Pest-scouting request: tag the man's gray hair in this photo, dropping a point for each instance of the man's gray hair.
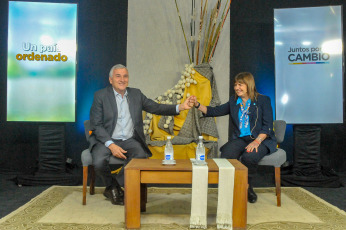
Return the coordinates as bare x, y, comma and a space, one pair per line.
117, 66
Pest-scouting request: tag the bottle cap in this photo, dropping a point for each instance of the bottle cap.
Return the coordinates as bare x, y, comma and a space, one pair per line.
200, 137
168, 137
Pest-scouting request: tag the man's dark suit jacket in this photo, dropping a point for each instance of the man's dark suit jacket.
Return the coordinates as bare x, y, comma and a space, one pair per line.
260, 117
104, 114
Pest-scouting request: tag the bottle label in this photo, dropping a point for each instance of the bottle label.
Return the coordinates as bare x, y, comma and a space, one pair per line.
201, 157
168, 157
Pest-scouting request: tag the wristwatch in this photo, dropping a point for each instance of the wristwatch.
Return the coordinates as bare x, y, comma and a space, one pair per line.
199, 104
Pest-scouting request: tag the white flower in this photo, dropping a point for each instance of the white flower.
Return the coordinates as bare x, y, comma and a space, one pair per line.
145, 132
176, 86
182, 77
195, 82
173, 91
178, 96
184, 81
183, 86
187, 95
169, 118
170, 95
159, 98
188, 84
178, 101
165, 94
168, 91
165, 126
150, 131
193, 72
168, 121
150, 115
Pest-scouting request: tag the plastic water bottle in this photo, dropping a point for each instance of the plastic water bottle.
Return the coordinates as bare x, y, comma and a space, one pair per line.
169, 155
200, 151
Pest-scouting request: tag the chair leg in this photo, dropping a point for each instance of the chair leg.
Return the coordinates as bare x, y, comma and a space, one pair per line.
92, 180
278, 185
85, 181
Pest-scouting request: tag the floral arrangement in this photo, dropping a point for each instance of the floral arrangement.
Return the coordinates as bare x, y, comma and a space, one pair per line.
175, 94
202, 51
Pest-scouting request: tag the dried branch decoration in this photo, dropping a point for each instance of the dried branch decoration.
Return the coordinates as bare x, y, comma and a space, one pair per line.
212, 30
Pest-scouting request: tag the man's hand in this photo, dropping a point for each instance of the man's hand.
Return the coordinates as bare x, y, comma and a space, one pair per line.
117, 151
188, 103
193, 99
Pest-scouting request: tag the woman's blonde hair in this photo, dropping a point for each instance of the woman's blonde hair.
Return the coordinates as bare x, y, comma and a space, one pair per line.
247, 79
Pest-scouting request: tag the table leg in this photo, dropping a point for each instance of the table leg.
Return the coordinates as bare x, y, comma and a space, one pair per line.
144, 197
240, 199
132, 199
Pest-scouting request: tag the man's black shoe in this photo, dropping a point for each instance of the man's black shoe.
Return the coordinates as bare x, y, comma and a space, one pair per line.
113, 194
251, 195
118, 187
120, 192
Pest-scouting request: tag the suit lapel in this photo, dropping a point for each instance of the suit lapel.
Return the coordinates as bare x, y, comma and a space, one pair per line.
234, 111
252, 111
130, 102
113, 102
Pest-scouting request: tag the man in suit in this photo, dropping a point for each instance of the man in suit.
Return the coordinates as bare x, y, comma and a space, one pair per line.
117, 127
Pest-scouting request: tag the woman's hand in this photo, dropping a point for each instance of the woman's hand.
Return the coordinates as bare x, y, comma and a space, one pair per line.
194, 100
253, 145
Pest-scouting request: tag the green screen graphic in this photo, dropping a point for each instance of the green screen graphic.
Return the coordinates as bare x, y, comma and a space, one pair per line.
41, 66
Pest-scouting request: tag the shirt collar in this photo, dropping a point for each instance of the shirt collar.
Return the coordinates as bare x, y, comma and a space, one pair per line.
239, 100
118, 94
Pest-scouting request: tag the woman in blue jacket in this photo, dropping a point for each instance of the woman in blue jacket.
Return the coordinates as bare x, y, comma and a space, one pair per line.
252, 119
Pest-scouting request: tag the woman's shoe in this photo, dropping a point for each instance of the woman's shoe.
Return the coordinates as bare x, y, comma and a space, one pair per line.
251, 195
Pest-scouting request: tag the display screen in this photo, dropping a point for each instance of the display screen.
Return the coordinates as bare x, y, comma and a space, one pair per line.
41, 64
309, 65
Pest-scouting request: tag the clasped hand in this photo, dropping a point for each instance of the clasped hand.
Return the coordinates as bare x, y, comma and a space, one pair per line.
188, 103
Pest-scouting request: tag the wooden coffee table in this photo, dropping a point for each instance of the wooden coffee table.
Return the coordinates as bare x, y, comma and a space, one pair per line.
140, 172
